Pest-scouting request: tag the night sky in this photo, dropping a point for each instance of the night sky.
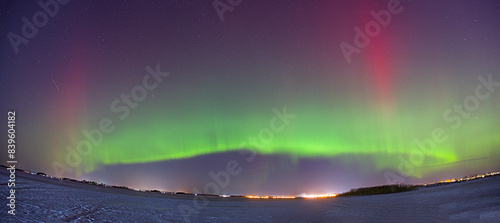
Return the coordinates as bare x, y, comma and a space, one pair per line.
183, 91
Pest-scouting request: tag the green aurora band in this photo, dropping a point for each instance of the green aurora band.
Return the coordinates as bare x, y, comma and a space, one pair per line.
319, 132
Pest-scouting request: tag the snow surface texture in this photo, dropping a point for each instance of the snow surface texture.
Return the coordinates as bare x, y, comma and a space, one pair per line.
40, 199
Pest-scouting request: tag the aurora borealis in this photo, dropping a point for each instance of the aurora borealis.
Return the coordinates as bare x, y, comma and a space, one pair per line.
349, 123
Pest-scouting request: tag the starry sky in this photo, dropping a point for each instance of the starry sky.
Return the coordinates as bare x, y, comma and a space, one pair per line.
305, 96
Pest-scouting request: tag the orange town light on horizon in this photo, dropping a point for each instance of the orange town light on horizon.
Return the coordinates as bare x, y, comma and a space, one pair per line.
310, 196
319, 195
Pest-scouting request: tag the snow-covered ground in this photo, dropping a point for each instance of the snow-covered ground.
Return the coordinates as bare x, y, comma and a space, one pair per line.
47, 200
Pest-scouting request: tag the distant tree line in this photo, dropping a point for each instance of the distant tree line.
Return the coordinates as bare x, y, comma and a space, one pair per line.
385, 189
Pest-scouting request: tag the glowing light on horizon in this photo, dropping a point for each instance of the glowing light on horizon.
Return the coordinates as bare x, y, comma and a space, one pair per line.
318, 195
308, 196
